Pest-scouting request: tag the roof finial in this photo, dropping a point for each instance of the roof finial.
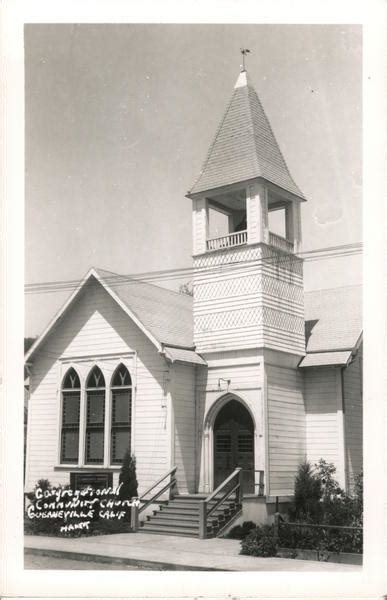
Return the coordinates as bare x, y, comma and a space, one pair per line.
244, 51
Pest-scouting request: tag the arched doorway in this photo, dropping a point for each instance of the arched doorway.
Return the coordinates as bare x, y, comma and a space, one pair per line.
234, 444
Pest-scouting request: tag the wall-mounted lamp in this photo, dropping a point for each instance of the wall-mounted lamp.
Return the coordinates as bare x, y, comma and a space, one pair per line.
228, 381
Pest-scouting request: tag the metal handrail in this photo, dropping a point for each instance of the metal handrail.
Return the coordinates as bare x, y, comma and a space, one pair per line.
136, 510
223, 498
157, 495
260, 485
171, 472
203, 513
225, 482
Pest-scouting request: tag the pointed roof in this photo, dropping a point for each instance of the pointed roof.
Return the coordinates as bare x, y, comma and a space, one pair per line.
244, 146
163, 315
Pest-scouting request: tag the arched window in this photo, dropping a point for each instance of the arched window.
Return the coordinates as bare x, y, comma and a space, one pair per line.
121, 414
95, 417
71, 399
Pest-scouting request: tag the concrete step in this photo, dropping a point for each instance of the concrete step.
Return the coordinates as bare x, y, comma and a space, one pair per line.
172, 518
173, 510
173, 523
180, 516
191, 496
170, 530
195, 506
173, 515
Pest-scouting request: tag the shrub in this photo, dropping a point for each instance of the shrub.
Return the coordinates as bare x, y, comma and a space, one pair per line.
260, 542
319, 499
239, 532
307, 494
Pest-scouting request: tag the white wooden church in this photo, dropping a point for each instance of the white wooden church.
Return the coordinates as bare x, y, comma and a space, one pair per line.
240, 383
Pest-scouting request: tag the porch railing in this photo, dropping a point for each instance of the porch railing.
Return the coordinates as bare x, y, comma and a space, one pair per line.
208, 506
280, 242
145, 502
227, 241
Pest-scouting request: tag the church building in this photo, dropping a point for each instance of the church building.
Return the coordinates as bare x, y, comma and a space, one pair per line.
227, 391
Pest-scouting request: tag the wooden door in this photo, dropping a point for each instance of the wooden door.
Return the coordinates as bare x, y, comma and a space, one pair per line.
234, 444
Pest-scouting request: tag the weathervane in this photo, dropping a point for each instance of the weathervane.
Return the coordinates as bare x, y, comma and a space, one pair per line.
244, 51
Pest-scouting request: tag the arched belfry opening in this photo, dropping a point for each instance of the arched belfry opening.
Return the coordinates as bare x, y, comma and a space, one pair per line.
234, 444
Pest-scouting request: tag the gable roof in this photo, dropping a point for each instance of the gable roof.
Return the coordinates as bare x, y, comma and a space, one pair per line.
333, 325
164, 316
244, 146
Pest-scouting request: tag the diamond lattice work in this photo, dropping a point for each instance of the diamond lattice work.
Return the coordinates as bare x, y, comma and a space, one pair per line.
237, 255
230, 319
284, 266
239, 286
283, 320
283, 289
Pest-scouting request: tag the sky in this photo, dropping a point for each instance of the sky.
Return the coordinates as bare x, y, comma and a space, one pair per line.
118, 120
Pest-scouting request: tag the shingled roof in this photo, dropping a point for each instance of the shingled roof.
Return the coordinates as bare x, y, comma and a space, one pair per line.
333, 325
165, 313
244, 146
333, 319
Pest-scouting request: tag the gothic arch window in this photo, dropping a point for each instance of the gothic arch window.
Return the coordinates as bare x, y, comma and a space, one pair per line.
121, 416
95, 417
71, 400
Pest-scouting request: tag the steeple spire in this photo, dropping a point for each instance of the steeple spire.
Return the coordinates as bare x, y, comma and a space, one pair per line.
244, 147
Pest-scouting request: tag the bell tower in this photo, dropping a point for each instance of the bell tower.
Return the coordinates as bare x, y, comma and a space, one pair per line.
248, 279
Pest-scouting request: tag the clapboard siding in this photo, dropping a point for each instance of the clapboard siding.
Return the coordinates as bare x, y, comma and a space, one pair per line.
244, 370
183, 398
95, 325
353, 411
286, 427
321, 415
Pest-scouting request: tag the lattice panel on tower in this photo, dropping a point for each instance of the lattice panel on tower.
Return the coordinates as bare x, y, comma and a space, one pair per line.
238, 255
282, 263
282, 320
231, 319
282, 289
239, 286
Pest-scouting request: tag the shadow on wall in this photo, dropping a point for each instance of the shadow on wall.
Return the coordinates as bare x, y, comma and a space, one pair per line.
309, 325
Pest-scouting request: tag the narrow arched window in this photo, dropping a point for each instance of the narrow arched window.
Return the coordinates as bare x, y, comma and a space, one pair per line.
121, 414
95, 417
71, 399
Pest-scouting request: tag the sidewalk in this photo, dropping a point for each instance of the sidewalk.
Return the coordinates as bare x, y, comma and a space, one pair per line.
162, 552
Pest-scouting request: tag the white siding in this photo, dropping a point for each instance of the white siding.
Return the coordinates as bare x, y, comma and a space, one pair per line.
95, 326
286, 428
183, 398
244, 369
321, 415
353, 411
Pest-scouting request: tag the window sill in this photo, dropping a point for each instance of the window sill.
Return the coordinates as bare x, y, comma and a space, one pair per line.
78, 469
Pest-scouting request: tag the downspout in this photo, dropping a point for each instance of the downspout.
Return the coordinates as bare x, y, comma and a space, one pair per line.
344, 430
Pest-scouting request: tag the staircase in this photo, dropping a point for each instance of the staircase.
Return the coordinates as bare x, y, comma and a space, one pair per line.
180, 516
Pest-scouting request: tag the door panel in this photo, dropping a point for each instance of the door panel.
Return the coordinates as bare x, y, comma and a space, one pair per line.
234, 444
